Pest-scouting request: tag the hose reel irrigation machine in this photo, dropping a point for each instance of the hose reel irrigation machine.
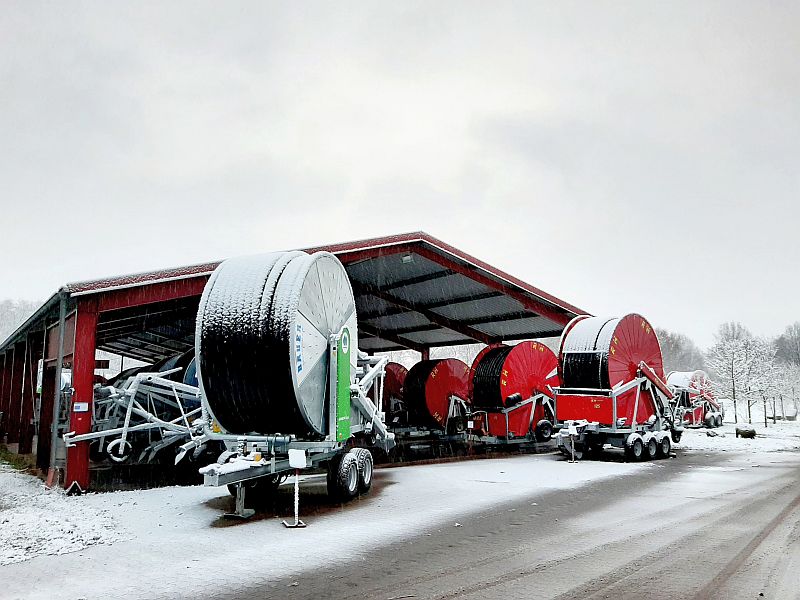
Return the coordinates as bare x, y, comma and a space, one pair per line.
279, 370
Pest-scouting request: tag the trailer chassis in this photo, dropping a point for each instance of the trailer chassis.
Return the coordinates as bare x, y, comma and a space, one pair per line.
579, 436
248, 458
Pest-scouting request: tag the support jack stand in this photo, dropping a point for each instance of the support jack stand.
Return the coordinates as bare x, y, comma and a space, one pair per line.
74, 489
241, 513
572, 460
298, 524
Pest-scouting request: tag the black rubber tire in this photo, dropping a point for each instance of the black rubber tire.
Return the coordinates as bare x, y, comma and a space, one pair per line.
343, 481
634, 451
594, 448
676, 436
365, 469
457, 425
543, 431
719, 420
651, 449
665, 447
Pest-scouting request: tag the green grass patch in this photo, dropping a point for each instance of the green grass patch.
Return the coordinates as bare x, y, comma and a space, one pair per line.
21, 462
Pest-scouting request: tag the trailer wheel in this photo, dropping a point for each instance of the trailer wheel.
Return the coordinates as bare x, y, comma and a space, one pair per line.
664, 447
676, 436
119, 450
343, 478
719, 420
594, 448
543, 431
365, 465
651, 448
634, 448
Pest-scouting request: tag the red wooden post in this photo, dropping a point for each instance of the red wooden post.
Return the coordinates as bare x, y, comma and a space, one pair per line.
4, 377
15, 393
32, 356
80, 419
46, 418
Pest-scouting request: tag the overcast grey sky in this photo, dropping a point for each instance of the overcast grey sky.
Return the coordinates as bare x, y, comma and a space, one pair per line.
625, 157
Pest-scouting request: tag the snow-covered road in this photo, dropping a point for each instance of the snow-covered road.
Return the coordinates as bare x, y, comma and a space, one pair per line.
173, 542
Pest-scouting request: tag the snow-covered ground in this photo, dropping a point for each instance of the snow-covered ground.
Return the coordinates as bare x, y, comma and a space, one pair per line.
36, 521
781, 436
175, 540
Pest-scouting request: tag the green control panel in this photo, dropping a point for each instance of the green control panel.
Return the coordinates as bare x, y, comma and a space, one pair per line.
343, 350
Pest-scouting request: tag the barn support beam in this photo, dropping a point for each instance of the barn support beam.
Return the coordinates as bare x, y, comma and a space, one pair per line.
5, 377
389, 337
80, 414
33, 353
51, 390
15, 395
433, 317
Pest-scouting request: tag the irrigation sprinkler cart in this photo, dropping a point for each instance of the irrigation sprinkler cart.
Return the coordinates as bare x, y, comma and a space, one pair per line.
354, 423
511, 425
647, 439
141, 413
695, 404
436, 441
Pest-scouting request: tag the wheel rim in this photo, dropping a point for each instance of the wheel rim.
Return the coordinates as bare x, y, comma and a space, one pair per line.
352, 477
665, 446
367, 472
637, 448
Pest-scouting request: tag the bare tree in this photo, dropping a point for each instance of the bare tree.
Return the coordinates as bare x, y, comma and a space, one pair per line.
13, 313
788, 344
679, 351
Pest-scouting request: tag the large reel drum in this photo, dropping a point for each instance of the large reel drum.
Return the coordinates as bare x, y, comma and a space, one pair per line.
429, 386
393, 381
500, 372
696, 382
263, 329
598, 353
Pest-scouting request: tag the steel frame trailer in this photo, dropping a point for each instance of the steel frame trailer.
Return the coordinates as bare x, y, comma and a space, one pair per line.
641, 440
262, 462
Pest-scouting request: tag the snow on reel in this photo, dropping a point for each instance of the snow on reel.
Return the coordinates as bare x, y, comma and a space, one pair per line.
695, 401
263, 331
612, 389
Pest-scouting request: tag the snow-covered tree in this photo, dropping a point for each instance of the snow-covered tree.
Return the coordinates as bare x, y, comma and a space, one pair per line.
788, 344
763, 377
679, 351
744, 367
13, 313
788, 390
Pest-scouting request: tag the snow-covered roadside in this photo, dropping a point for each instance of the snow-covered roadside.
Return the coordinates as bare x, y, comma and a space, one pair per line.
35, 521
782, 436
178, 545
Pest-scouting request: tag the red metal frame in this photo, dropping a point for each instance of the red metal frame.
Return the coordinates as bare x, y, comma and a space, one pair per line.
83, 385
32, 354
15, 393
149, 294
5, 377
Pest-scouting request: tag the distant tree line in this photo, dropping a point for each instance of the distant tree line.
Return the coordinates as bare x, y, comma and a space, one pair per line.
13, 313
747, 370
